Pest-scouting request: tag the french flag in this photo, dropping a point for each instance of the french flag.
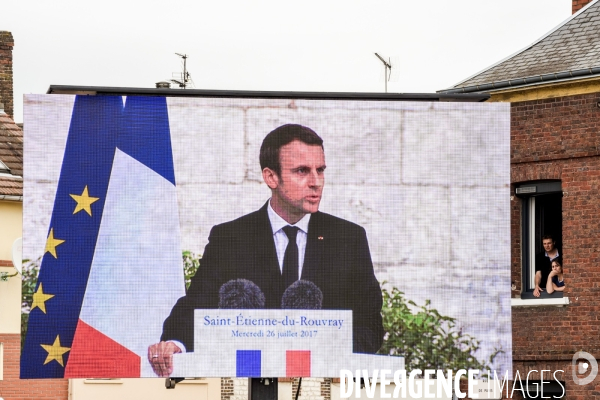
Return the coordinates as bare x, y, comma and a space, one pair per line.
112, 265
249, 363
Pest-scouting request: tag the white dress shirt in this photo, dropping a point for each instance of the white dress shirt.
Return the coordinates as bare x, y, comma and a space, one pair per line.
281, 239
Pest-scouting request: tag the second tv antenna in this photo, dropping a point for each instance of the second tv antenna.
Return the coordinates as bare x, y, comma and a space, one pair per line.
185, 76
386, 65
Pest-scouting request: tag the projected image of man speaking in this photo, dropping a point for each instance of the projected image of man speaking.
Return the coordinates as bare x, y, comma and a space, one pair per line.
265, 252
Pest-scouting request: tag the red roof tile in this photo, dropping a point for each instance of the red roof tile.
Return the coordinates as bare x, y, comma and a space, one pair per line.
11, 154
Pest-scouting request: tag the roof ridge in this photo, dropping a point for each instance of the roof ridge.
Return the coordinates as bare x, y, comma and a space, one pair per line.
563, 23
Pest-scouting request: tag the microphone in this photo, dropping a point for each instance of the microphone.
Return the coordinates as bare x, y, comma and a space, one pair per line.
242, 294
302, 295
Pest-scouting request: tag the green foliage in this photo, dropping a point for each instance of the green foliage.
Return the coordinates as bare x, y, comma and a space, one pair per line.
426, 339
29, 277
191, 262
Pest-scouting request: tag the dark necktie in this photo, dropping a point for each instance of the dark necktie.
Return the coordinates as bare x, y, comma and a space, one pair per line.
290, 258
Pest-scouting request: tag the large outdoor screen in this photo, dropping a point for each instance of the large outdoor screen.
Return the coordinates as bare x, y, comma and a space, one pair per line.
198, 236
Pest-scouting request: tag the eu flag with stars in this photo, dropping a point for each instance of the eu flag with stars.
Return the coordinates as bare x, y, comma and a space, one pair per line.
111, 268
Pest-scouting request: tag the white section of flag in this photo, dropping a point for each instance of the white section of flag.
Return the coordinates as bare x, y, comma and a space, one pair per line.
137, 273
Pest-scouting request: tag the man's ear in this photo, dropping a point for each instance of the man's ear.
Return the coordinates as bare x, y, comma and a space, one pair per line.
270, 177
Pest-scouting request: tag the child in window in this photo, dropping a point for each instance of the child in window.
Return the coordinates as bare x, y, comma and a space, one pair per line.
555, 279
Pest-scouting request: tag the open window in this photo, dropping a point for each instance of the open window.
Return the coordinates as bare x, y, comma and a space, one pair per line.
541, 215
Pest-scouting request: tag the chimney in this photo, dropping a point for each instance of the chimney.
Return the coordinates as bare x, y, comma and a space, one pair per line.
6, 72
579, 4
163, 85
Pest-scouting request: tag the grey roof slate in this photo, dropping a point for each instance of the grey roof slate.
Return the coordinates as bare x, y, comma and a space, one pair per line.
573, 46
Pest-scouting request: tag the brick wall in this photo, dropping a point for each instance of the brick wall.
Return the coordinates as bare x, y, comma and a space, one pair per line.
579, 4
12, 388
6, 72
555, 129
326, 388
226, 388
559, 139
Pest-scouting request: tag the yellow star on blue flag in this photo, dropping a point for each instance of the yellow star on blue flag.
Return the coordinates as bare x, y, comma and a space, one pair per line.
51, 243
55, 351
84, 201
40, 298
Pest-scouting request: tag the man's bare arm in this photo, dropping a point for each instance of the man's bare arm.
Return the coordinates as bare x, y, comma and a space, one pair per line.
538, 280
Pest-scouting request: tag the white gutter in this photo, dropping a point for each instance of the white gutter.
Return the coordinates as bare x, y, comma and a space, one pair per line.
11, 198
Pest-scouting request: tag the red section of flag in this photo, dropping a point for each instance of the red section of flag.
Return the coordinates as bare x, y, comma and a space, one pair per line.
297, 363
95, 355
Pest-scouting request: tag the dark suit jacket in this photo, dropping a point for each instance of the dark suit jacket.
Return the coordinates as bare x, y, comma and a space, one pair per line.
337, 260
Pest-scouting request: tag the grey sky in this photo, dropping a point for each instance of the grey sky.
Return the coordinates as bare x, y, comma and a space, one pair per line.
268, 45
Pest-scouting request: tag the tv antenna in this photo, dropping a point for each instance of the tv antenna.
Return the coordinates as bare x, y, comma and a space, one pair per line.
386, 65
185, 78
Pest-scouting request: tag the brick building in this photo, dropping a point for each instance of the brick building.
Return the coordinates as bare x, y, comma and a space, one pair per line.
554, 88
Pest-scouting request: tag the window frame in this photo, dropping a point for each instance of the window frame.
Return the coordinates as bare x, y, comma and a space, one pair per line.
528, 192
4, 168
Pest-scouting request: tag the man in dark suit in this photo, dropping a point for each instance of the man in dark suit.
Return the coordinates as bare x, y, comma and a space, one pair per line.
286, 240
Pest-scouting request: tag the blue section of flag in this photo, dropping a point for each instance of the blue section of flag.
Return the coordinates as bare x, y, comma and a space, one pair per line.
247, 363
146, 135
87, 162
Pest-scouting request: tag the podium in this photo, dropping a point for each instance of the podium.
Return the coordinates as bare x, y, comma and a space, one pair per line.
275, 343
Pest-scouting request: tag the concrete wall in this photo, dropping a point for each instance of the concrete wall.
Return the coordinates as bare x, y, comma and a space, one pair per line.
10, 304
11, 223
11, 220
143, 389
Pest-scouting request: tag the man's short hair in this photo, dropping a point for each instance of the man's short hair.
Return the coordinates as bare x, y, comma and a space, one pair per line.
279, 137
547, 237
